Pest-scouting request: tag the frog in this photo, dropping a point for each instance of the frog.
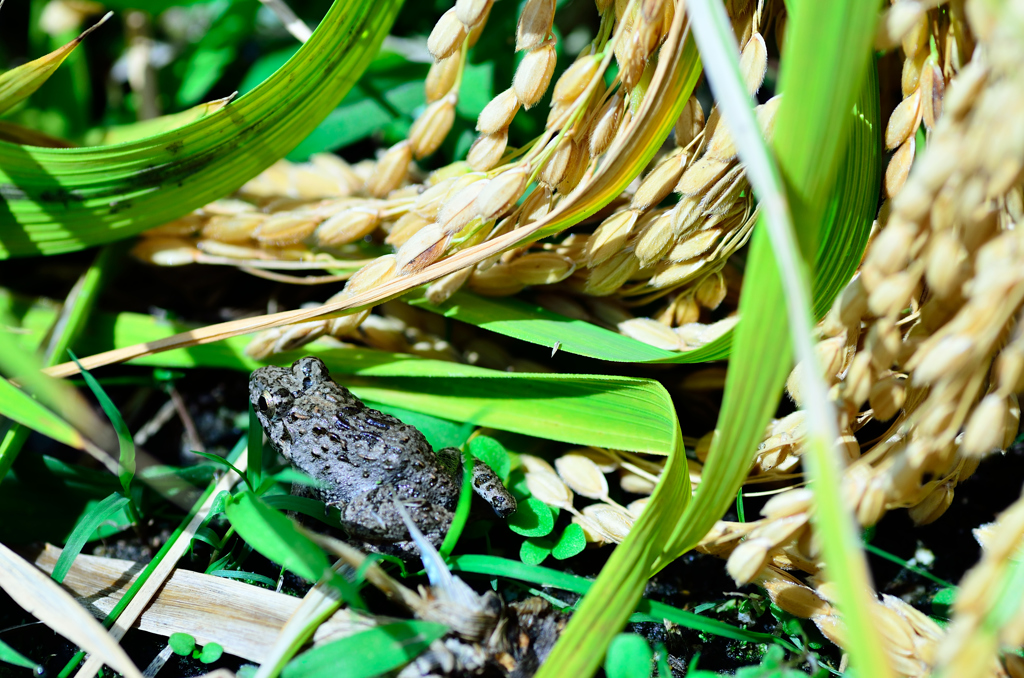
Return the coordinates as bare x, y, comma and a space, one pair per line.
364, 461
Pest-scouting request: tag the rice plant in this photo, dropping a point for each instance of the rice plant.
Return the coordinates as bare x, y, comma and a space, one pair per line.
536, 231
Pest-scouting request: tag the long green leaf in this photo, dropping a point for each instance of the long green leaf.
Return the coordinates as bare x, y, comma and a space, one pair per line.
762, 358
543, 576
11, 656
607, 606
279, 539
777, 311
59, 200
86, 526
809, 171
19, 83
126, 444
367, 653
22, 408
637, 414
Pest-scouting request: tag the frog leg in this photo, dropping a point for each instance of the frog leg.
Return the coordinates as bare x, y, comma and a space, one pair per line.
489, 487
486, 482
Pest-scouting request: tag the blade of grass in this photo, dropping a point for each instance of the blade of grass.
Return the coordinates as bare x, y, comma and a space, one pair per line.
472, 563
255, 450
278, 538
581, 647
84, 529
19, 83
126, 461
11, 656
809, 171
64, 332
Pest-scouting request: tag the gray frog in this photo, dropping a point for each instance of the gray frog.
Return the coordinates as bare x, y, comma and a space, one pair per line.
366, 460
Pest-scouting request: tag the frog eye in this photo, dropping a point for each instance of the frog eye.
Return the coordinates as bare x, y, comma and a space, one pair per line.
265, 403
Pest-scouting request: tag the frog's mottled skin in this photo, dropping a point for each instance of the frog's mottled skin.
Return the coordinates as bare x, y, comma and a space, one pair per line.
366, 460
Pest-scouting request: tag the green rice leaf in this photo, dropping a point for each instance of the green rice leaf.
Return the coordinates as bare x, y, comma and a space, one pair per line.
60, 200
522, 320
84, 530
754, 380
605, 609
637, 414
19, 83
11, 656
126, 462
254, 451
368, 653
25, 410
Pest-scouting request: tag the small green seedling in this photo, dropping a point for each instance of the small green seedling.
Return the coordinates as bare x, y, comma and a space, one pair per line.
185, 645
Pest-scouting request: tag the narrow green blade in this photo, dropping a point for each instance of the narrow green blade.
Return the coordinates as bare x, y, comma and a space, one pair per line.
60, 200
